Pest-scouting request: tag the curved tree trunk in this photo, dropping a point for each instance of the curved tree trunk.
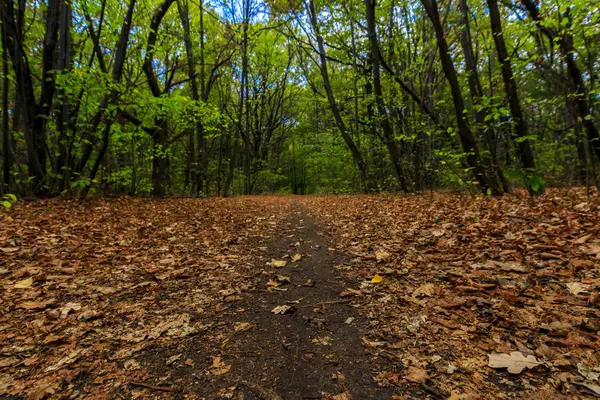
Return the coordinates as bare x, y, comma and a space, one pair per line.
363, 169
384, 121
467, 138
521, 130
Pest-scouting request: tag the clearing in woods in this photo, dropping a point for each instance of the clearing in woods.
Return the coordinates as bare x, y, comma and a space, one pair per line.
358, 297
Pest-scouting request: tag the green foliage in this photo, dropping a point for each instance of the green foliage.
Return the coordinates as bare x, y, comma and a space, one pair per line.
8, 200
272, 129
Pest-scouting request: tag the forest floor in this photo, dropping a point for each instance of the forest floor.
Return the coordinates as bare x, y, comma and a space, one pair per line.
435, 296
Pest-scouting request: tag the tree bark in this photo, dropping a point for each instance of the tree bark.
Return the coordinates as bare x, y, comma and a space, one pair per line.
578, 88
476, 91
160, 161
117, 75
521, 130
363, 169
386, 127
6, 150
467, 138
36, 112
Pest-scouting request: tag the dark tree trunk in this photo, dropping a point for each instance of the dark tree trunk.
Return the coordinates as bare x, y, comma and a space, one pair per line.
160, 160
363, 169
579, 91
196, 173
467, 138
521, 130
117, 74
6, 150
476, 91
36, 112
62, 109
386, 127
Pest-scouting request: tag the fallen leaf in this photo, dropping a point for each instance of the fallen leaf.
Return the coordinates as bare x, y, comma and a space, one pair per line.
426, 290
309, 283
278, 263
587, 372
547, 352
37, 305
325, 340
594, 388
64, 311
514, 362
576, 288
296, 257
512, 267
372, 343
69, 359
416, 375
25, 283
218, 367
351, 292
243, 326
382, 255
172, 359
284, 309
582, 239
105, 290
376, 279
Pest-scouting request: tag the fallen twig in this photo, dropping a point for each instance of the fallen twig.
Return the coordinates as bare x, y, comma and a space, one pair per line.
159, 388
325, 303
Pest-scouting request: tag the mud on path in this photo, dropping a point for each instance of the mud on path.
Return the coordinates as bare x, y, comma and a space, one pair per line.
312, 351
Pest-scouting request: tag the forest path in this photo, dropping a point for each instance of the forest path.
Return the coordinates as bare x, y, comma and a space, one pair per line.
314, 350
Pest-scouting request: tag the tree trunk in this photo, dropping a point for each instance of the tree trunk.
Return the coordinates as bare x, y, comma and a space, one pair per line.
160, 162
386, 127
579, 91
521, 130
467, 138
363, 169
117, 74
6, 150
62, 110
476, 91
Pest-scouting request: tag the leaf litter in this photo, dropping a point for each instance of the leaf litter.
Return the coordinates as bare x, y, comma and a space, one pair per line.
465, 296
491, 297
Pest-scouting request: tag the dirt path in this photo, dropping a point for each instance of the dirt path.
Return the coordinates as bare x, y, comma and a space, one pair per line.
312, 352
317, 348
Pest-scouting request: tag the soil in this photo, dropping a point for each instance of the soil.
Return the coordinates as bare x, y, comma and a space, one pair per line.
314, 351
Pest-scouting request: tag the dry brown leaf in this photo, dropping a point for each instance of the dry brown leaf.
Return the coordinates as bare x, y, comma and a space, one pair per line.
514, 362
278, 263
426, 290
24, 284
283, 309
416, 375
218, 367
577, 288
243, 326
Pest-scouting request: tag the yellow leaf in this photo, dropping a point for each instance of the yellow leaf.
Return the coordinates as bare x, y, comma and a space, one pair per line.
243, 326
218, 367
278, 263
25, 283
377, 279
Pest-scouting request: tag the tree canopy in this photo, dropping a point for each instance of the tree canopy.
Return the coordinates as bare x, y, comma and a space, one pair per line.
205, 97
